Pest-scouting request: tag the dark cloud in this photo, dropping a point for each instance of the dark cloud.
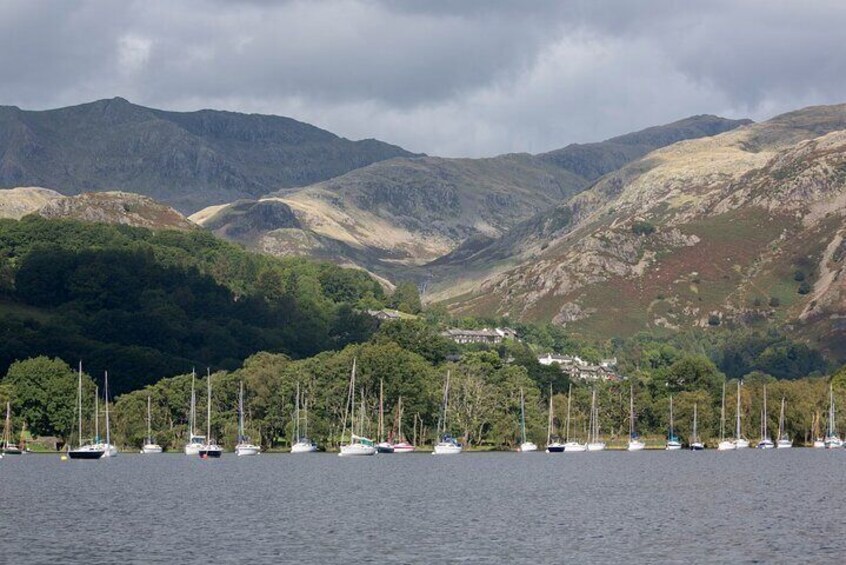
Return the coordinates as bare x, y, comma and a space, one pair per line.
453, 78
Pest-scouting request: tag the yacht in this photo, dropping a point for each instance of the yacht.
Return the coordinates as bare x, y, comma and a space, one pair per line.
302, 444
634, 441
695, 443
552, 446
9, 447
526, 446
358, 444
383, 446
150, 447
766, 442
109, 450
673, 442
210, 449
725, 444
401, 446
244, 447
595, 442
740, 442
195, 442
447, 445
92, 450
832, 440
783, 440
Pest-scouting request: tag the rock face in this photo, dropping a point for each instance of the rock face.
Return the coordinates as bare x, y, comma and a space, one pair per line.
15, 203
116, 208
743, 226
405, 212
189, 160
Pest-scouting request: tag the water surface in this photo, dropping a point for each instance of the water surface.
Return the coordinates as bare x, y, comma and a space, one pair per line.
753, 506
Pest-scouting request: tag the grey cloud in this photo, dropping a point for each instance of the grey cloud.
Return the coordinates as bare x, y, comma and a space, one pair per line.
454, 78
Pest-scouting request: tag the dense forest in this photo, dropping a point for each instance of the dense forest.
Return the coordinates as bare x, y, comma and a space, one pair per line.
144, 304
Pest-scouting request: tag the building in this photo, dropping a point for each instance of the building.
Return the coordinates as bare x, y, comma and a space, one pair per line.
462, 337
577, 368
384, 315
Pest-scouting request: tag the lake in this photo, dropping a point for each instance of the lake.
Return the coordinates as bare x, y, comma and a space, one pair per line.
653, 506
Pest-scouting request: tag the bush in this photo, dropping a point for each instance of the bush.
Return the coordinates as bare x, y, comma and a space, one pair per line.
804, 288
713, 320
774, 302
641, 227
799, 276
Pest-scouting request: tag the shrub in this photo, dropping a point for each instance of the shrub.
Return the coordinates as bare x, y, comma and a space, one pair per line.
642, 227
804, 288
799, 276
774, 302
713, 320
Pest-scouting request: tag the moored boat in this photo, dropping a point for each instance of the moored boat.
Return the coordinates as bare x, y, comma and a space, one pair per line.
595, 442
724, 444
302, 444
94, 450
210, 449
634, 440
244, 447
150, 446
766, 442
673, 442
696, 443
447, 445
358, 444
526, 446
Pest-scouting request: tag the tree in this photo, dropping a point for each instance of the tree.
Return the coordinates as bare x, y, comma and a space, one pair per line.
406, 298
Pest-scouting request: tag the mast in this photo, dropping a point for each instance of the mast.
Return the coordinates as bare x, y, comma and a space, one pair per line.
593, 414
549, 423
569, 401
208, 406
695, 434
381, 410
241, 412
399, 420
7, 430
79, 402
723, 415
522, 416
193, 415
764, 415
305, 417
446, 402
671, 418
106, 398
149, 423
361, 415
297, 412
831, 426
781, 420
631, 411
737, 430
96, 414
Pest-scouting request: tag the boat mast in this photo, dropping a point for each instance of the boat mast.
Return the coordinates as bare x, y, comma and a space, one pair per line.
106, 398
241, 412
522, 417
737, 430
381, 410
79, 402
297, 412
764, 415
671, 418
695, 435
96, 414
7, 430
149, 423
569, 401
781, 420
631, 411
193, 415
208, 406
446, 402
723, 415
399, 420
831, 426
549, 422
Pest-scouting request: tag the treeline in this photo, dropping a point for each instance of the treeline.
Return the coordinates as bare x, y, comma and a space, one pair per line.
144, 304
412, 361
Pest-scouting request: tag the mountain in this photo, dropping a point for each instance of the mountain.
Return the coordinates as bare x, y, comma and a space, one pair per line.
116, 208
15, 203
186, 159
405, 212
739, 228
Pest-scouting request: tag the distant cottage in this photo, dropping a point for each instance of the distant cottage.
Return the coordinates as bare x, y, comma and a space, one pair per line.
384, 315
577, 368
472, 336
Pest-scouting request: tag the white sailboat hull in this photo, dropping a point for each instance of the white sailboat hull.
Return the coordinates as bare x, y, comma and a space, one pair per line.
192, 449
403, 447
741, 443
109, 450
356, 449
726, 445
246, 449
447, 449
150, 448
673, 446
574, 447
697, 446
833, 442
596, 446
303, 447
527, 447
635, 445
784, 443
766, 443
819, 444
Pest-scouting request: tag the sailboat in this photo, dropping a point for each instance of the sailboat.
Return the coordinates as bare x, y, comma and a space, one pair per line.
150, 446
210, 449
634, 441
725, 444
383, 446
766, 442
571, 446
695, 443
525, 445
819, 442
552, 446
195, 442
673, 442
244, 446
358, 445
783, 441
447, 445
832, 440
302, 443
93, 450
9, 447
594, 441
402, 446
109, 449
740, 442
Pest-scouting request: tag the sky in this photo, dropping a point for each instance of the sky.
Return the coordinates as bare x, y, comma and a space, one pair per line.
458, 79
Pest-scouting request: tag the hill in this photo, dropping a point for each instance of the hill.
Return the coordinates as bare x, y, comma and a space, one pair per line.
738, 228
186, 159
409, 211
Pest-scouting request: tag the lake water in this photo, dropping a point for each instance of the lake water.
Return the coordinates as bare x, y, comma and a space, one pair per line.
752, 506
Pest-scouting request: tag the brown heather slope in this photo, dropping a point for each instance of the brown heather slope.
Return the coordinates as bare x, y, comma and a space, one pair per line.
710, 230
116, 208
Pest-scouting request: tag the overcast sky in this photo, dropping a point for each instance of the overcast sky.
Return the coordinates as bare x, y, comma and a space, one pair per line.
456, 78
